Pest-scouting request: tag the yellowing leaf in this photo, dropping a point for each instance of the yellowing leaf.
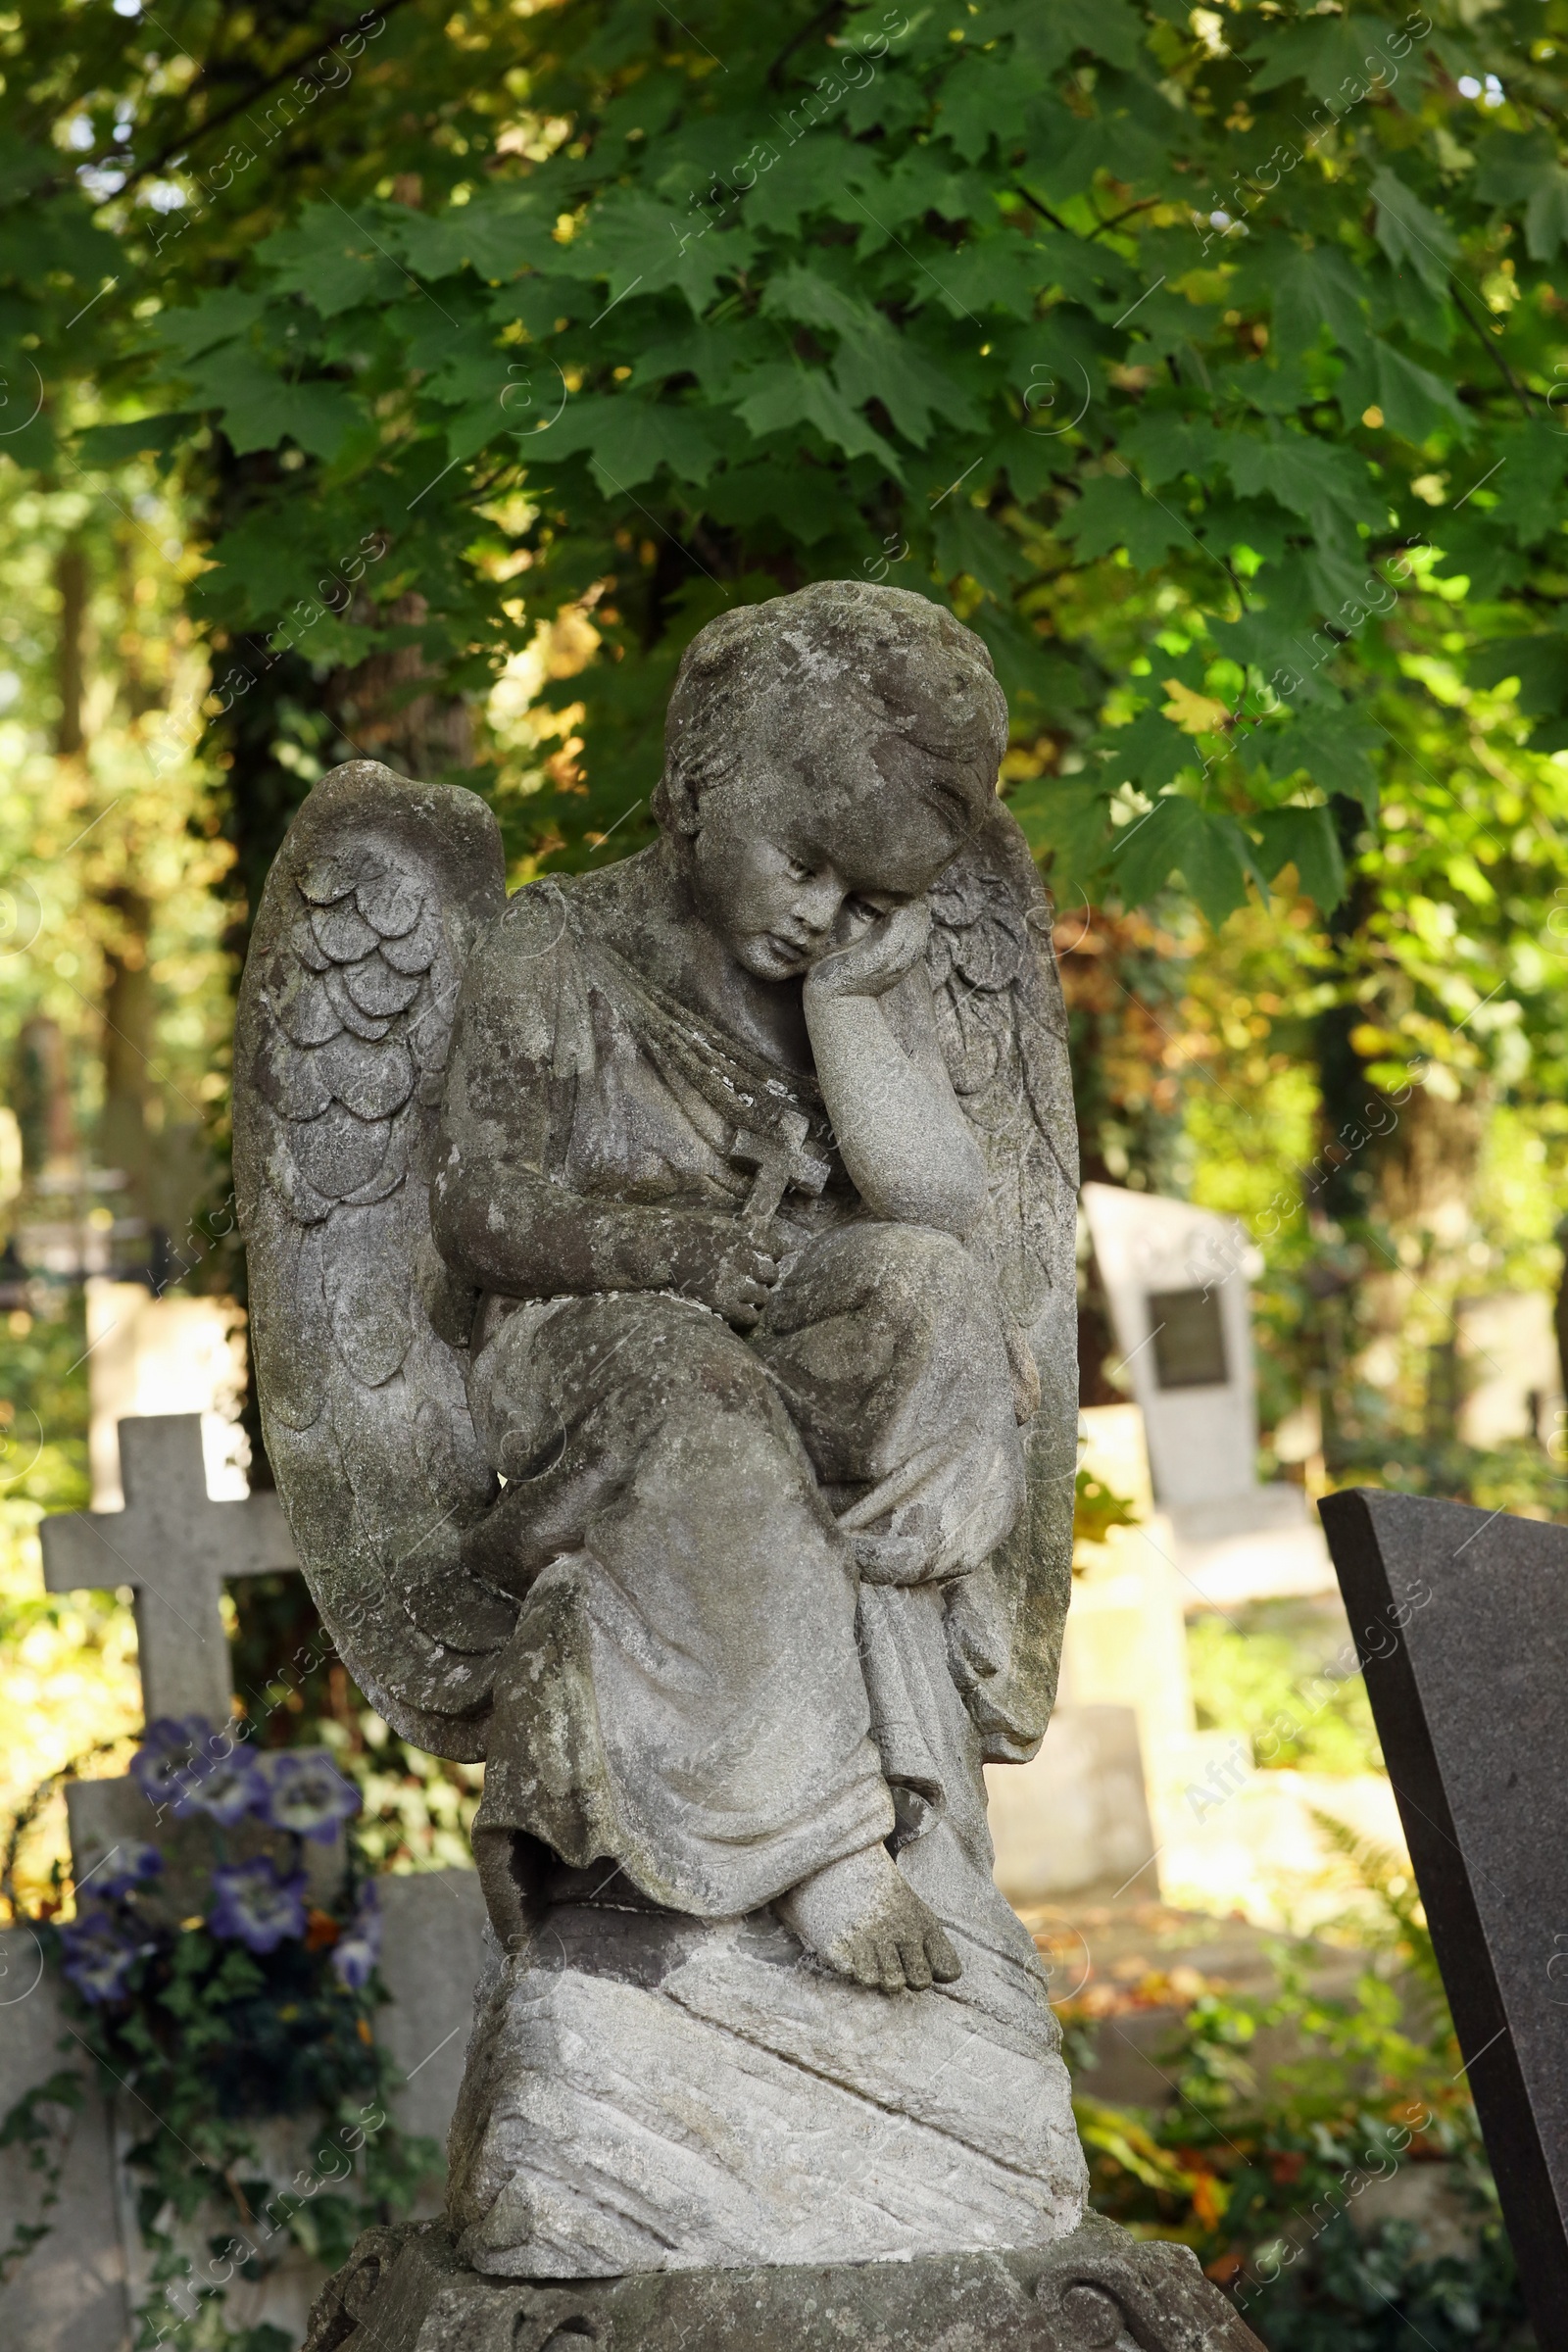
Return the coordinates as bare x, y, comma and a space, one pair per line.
1194, 714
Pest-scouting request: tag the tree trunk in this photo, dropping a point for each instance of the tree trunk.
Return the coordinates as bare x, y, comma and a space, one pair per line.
70, 583
420, 735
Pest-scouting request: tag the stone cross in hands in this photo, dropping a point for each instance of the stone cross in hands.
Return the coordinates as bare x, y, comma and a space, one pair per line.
781, 1162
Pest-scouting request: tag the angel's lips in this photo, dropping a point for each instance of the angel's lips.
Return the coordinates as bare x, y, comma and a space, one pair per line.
789, 955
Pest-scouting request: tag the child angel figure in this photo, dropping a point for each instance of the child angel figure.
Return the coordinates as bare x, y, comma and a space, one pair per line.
702, 1159
662, 1311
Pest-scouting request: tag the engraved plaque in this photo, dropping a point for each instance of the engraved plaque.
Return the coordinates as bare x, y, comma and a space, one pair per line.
1188, 1340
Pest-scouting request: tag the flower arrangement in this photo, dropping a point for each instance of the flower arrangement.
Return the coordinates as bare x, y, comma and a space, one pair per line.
189, 1768
209, 2021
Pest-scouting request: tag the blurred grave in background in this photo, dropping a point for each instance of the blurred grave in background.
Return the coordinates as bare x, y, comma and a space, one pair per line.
1176, 1279
1130, 1798
164, 1355
175, 1543
1512, 1379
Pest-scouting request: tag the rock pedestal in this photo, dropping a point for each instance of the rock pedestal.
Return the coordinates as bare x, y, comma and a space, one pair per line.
1096, 2291
648, 2092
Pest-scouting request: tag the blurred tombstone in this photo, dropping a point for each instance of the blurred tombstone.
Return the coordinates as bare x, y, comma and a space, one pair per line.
150, 1357
1075, 1822
175, 1543
1175, 1278
1507, 1347
175, 1546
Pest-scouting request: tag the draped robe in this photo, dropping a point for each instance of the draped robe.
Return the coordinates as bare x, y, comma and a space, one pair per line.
741, 1559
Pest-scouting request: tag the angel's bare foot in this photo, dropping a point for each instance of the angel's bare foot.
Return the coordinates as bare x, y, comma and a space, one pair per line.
861, 1917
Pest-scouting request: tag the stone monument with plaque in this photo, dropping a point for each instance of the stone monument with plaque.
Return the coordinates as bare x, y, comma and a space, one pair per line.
663, 1298
1175, 1278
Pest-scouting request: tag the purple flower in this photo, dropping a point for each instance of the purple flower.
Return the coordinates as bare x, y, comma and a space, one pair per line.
309, 1795
223, 1780
257, 1906
359, 1948
99, 1955
166, 1754
126, 1866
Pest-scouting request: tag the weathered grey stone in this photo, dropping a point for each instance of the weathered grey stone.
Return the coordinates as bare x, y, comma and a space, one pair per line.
431, 1955
641, 2095
1458, 1616
68, 2295
1096, 2291
664, 1300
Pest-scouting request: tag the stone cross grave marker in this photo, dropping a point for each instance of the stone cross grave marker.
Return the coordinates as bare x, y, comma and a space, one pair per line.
1461, 1620
174, 1546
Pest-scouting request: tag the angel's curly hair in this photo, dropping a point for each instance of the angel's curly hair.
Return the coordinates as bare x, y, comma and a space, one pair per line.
902, 667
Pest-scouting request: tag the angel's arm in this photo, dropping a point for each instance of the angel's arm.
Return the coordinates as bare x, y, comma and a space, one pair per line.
903, 1137
504, 1227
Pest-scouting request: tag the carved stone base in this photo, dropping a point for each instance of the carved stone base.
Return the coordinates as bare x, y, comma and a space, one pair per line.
649, 2092
1096, 2291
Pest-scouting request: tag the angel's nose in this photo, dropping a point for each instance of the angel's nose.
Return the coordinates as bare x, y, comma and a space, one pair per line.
817, 903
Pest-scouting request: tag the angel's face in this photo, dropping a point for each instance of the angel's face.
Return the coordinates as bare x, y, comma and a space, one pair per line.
787, 865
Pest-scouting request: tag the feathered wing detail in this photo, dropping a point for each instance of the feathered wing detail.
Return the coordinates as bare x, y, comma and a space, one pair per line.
1003, 1027
371, 911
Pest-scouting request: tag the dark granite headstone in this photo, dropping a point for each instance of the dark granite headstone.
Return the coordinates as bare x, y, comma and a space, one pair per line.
1461, 1620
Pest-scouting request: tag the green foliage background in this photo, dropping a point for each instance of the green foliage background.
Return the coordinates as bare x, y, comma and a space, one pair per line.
1221, 346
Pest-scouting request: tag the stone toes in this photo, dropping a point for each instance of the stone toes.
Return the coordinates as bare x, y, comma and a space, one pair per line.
866, 1967
946, 1966
894, 1979
916, 1967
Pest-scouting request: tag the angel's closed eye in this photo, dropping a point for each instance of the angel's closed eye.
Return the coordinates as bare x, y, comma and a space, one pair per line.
796, 870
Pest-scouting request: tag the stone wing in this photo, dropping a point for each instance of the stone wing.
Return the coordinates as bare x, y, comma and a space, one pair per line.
1003, 1032
359, 1339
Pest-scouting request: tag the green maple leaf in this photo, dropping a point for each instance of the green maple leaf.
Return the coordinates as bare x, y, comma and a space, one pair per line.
1305, 837
1312, 287
628, 439
335, 261
498, 233
1296, 469
786, 394
642, 247
1334, 746
1326, 55
260, 409
1408, 231
1115, 511
1211, 852
218, 318
1163, 444
1414, 402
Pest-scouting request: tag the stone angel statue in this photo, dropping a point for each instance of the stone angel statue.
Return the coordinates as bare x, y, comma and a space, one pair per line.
663, 1299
